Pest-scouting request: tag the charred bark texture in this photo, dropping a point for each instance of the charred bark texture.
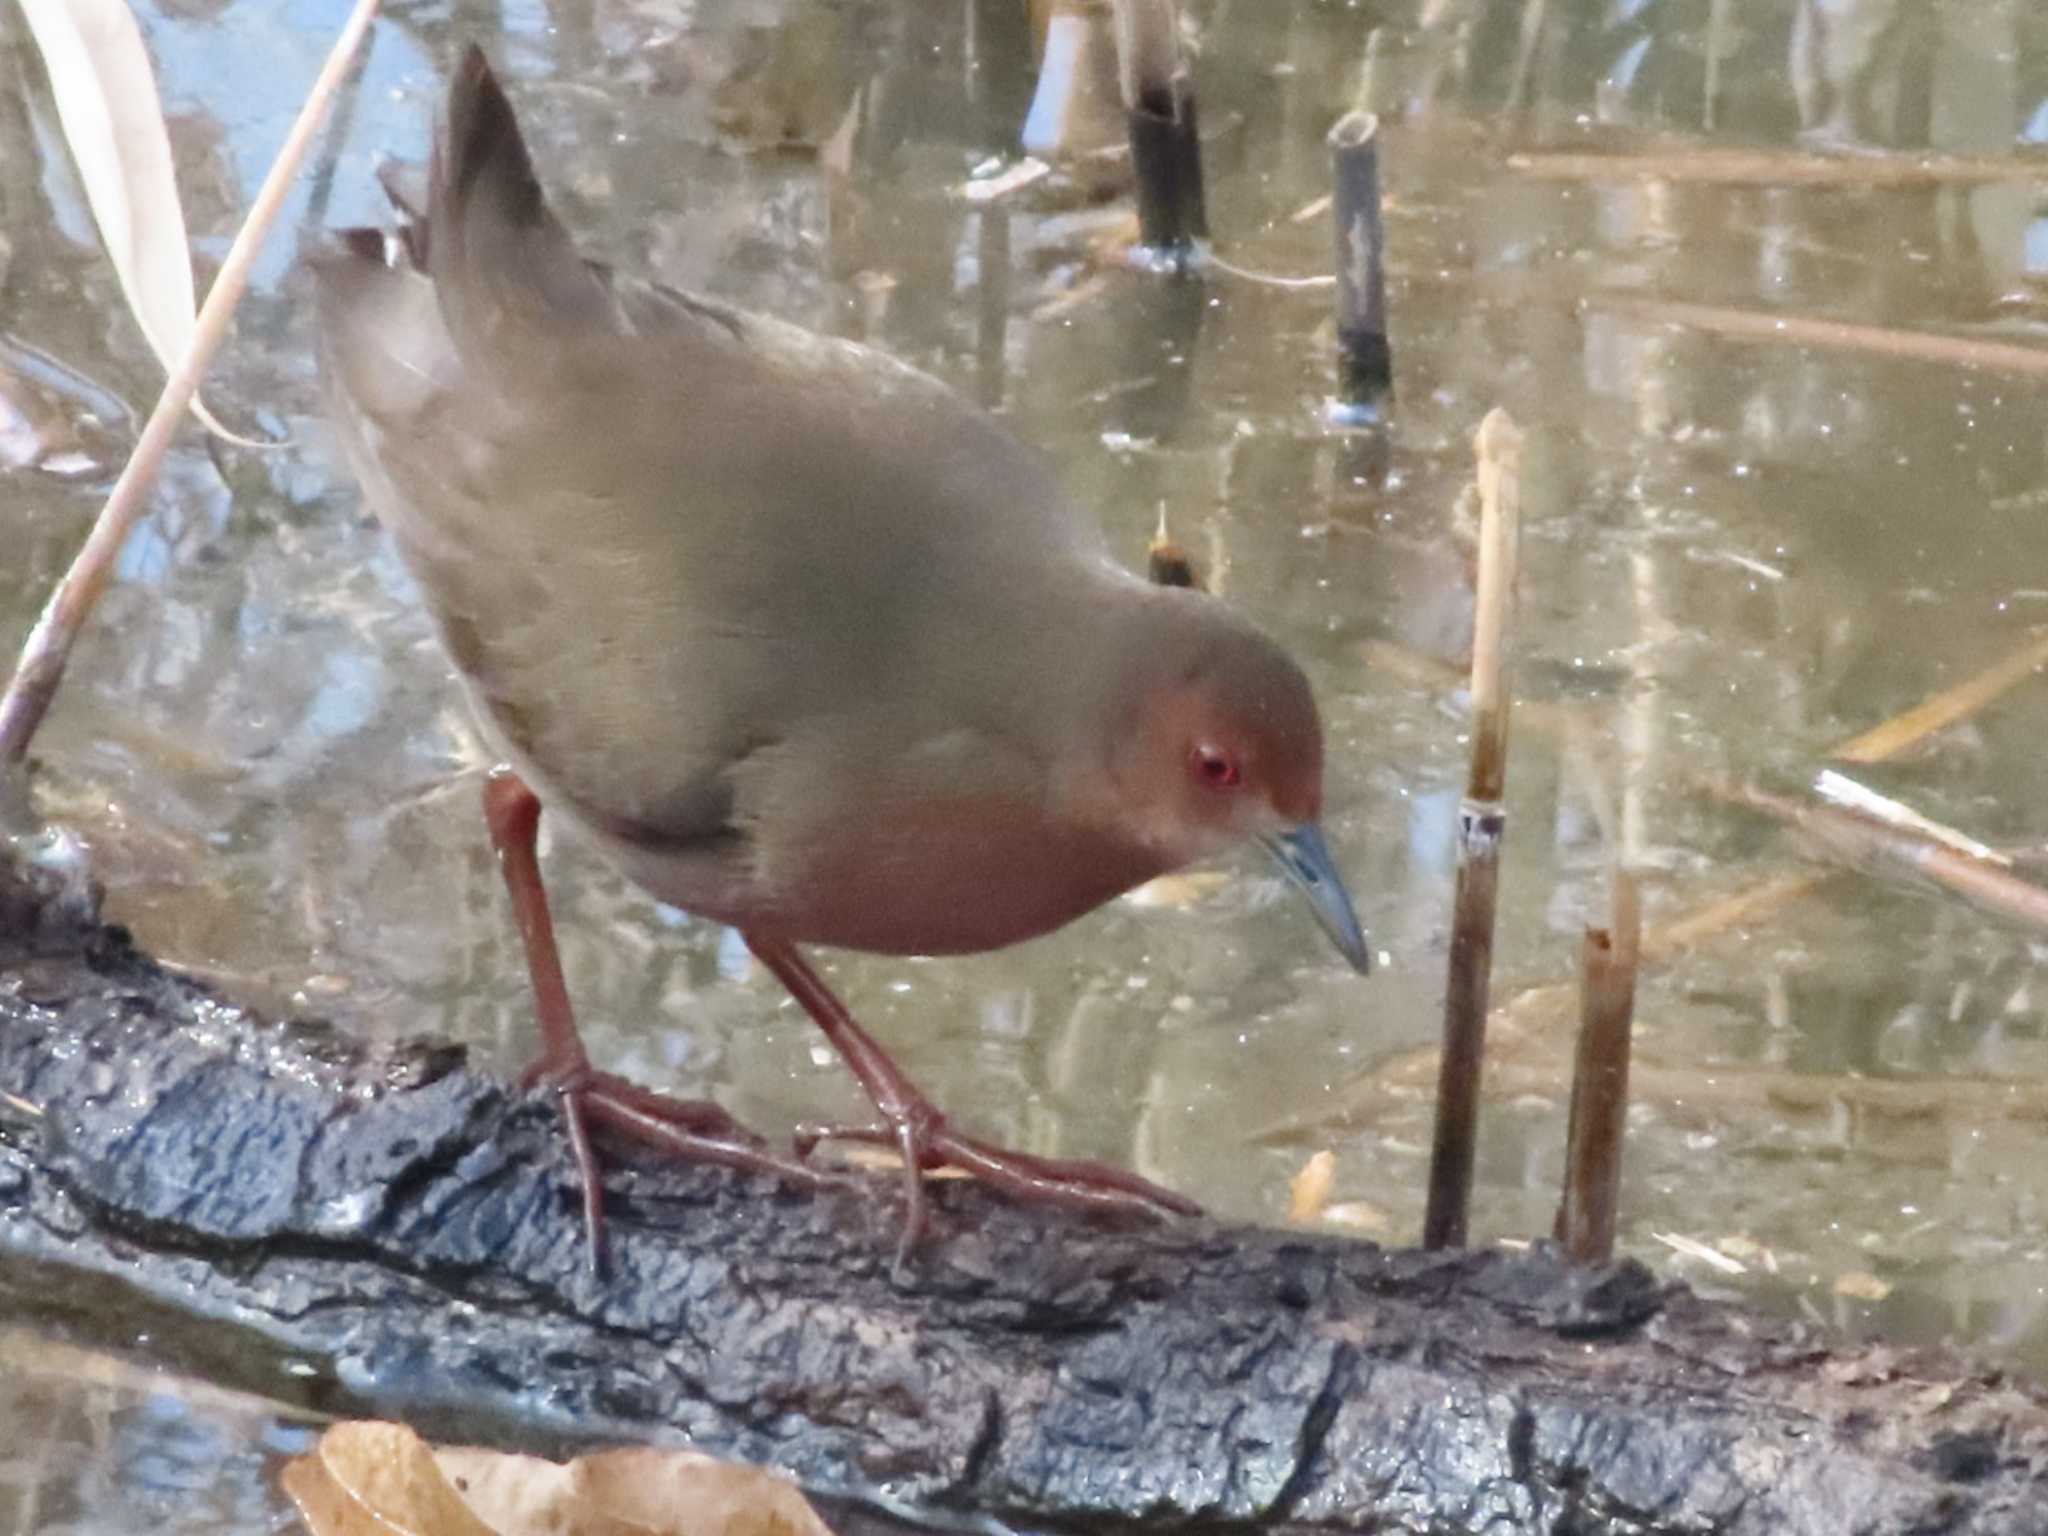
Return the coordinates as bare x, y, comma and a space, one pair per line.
411, 1227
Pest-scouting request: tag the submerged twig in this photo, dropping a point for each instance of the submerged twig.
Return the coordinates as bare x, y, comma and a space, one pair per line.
1599, 1109
41, 668
1835, 335
1865, 843
1481, 822
1946, 708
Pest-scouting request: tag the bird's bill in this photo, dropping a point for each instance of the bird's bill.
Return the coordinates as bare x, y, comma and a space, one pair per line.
1305, 859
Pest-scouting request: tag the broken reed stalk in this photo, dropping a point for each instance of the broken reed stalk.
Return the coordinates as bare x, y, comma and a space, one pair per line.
1365, 362
1166, 146
1167, 562
1482, 820
48, 648
1599, 1107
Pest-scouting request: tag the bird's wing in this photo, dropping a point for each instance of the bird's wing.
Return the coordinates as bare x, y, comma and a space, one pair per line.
658, 534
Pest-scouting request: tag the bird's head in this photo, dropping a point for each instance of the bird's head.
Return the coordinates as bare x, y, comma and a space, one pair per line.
1219, 742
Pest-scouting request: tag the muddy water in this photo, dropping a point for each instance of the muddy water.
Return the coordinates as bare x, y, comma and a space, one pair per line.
1738, 553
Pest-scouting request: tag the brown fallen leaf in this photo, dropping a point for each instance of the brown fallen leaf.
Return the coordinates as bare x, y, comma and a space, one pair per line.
683, 1492
324, 1505
527, 1496
390, 1472
376, 1479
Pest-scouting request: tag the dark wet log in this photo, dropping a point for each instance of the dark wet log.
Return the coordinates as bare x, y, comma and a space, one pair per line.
409, 1228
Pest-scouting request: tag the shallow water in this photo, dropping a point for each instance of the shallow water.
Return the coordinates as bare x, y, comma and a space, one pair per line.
1736, 555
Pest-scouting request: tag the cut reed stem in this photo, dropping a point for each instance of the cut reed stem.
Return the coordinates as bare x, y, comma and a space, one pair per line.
1599, 1113
1482, 821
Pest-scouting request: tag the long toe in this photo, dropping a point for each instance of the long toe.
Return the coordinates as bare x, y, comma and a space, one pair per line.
1072, 1183
690, 1130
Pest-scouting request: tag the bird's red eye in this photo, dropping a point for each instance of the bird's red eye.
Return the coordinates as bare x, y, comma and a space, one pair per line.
1216, 769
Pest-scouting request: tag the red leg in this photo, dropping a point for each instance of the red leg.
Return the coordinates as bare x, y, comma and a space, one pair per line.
920, 1132
692, 1129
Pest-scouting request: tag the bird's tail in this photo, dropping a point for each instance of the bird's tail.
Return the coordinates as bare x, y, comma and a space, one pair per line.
502, 263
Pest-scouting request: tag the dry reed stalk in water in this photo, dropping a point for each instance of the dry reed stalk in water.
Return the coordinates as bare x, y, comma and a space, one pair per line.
1481, 823
1779, 168
1599, 1106
1947, 707
43, 658
1833, 335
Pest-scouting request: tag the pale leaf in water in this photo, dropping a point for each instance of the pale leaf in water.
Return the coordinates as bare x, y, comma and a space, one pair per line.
106, 99
1357, 1216
1309, 1190
1861, 1285
382, 1478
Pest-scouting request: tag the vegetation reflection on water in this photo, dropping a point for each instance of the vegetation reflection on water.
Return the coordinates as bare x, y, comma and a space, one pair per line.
1736, 555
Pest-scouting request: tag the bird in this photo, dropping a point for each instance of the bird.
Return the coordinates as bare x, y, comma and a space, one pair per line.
799, 640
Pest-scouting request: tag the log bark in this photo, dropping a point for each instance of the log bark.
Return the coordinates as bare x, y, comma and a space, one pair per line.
252, 1191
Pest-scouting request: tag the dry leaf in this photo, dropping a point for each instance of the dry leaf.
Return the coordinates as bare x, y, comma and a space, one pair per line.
106, 98
389, 1471
526, 1496
324, 1505
1309, 1190
369, 1479
680, 1493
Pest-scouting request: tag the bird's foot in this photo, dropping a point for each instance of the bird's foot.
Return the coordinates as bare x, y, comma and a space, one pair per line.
924, 1139
692, 1130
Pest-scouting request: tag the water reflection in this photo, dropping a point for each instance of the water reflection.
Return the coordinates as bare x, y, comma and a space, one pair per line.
1736, 554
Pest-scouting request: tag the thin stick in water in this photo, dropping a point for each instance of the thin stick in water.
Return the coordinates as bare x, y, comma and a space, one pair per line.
43, 658
1947, 707
1365, 362
1734, 324
1599, 1112
1481, 822
1690, 162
